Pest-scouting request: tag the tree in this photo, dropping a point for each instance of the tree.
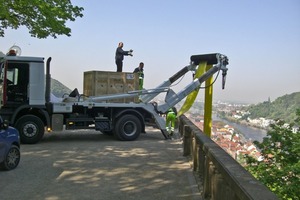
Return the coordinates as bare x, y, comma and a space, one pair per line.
43, 18
282, 107
280, 168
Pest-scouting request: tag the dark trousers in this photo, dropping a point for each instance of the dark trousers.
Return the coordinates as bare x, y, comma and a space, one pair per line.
119, 64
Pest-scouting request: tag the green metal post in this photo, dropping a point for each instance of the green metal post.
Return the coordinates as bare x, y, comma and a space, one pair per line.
208, 104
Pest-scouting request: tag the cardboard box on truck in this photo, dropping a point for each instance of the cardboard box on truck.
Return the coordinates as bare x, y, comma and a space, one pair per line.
97, 83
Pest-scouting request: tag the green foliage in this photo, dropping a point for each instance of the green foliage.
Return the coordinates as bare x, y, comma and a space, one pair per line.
282, 108
222, 114
43, 18
280, 169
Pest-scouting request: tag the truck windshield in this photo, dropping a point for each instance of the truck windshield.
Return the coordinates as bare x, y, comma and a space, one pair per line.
1, 82
12, 76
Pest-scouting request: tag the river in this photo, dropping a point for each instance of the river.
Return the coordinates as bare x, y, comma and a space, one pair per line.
249, 132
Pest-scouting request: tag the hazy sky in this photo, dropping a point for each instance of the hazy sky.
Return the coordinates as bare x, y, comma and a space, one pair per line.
260, 38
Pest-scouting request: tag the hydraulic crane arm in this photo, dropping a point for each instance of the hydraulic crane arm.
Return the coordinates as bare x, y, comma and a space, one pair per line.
218, 60
147, 97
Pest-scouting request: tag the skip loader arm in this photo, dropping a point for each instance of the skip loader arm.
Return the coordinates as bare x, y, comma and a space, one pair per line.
218, 61
164, 87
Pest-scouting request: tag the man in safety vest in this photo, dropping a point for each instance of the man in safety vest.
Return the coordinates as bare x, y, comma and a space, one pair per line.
140, 71
170, 120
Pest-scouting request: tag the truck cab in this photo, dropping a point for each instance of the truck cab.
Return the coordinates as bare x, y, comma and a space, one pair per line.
22, 95
22, 81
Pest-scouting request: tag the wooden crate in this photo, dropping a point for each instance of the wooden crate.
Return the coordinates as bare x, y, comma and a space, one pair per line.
97, 83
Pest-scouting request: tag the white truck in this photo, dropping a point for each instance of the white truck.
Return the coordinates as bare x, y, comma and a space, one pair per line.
25, 101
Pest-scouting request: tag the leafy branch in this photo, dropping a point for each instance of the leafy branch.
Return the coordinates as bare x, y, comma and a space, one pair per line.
43, 18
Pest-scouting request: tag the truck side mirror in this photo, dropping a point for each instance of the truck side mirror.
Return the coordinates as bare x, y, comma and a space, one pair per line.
3, 124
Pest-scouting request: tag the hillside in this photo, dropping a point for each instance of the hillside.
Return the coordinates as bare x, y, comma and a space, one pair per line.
59, 89
283, 107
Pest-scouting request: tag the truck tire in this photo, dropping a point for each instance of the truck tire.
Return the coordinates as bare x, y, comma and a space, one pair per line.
128, 128
31, 129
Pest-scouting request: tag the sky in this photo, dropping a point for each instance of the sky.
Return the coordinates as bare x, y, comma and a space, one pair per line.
260, 38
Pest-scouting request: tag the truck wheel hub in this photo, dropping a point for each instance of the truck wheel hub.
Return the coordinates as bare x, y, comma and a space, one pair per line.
129, 128
30, 130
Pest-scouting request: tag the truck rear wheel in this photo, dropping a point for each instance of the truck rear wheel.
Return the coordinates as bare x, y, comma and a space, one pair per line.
31, 129
128, 128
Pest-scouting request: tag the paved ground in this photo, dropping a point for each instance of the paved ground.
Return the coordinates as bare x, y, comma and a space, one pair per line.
89, 165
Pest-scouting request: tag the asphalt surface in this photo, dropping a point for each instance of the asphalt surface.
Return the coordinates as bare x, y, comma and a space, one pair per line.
89, 165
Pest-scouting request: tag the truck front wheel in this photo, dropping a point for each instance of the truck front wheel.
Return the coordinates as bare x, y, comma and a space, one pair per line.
128, 128
31, 129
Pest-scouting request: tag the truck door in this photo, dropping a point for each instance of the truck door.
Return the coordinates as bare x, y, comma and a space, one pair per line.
17, 75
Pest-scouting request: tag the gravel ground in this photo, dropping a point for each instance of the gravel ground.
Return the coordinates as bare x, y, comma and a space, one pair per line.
89, 165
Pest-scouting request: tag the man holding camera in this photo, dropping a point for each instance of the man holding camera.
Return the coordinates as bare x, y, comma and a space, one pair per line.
120, 53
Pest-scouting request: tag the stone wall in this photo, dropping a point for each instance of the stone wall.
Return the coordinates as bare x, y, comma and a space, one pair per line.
219, 176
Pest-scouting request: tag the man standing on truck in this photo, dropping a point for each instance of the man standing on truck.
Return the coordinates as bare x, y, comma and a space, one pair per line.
140, 71
120, 53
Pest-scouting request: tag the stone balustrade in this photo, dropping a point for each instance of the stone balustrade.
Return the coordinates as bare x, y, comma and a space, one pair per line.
219, 176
